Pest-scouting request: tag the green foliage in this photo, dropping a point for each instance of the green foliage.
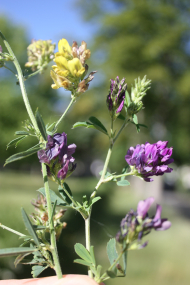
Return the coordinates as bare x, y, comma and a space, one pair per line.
15, 251
37, 269
152, 38
123, 183
29, 227
21, 155
41, 125
94, 123
112, 255
54, 197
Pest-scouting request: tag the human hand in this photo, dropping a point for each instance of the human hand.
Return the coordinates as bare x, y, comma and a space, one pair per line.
70, 279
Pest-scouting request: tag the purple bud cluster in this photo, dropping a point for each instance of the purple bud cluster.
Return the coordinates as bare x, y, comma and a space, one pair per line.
137, 224
150, 159
58, 156
116, 96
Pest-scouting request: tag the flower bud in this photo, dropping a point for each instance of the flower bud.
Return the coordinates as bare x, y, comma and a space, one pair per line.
116, 96
137, 224
40, 53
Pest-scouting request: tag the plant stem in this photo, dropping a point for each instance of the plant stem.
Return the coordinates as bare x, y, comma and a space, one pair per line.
122, 127
125, 174
105, 164
11, 230
63, 115
44, 170
34, 73
104, 276
51, 225
21, 81
87, 235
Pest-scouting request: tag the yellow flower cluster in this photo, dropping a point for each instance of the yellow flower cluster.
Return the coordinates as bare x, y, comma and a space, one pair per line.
40, 53
70, 66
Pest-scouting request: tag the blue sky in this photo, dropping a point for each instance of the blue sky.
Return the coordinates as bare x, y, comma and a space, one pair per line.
48, 19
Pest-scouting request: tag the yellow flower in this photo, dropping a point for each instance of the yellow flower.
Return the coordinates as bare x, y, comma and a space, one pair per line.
64, 49
75, 67
60, 81
62, 66
68, 67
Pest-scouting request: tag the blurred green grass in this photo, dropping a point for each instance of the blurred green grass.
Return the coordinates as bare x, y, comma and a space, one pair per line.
166, 260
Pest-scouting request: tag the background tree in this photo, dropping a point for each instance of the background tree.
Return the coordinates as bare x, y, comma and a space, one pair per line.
135, 38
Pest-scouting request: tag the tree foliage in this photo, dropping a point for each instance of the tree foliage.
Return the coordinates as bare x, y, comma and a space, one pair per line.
135, 38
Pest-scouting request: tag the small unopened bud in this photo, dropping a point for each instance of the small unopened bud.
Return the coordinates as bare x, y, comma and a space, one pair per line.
40, 53
59, 214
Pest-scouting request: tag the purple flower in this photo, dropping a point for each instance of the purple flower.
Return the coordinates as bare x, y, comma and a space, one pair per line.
58, 156
137, 224
116, 96
143, 207
150, 159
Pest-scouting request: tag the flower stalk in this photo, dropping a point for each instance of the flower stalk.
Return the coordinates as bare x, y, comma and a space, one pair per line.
21, 82
63, 115
51, 225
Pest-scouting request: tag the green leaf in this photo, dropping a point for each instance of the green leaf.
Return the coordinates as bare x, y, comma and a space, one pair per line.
21, 133
135, 119
41, 125
83, 124
22, 155
142, 125
123, 183
121, 117
15, 251
112, 253
98, 271
127, 99
94, 200
20, 258
83, 252
83, 262
138, 126
92, 255
111, 274
53, 196
64, 195
15, 141
91, 125
98, 124
29, 227
37, 269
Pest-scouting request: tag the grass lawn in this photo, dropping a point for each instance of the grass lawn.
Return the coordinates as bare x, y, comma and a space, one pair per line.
166, 259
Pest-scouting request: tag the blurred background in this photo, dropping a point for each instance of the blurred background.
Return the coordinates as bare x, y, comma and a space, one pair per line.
128, 38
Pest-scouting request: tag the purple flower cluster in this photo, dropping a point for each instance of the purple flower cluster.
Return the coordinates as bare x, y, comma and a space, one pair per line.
58, 156
116, 96
150, 159
138, 224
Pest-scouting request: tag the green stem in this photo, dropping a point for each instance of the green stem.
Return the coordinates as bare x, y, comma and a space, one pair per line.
59, 121
11, 230
87, 235
125, 174
105, 164
21, 81
122, 127
51, 225
104, 276
36, 72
